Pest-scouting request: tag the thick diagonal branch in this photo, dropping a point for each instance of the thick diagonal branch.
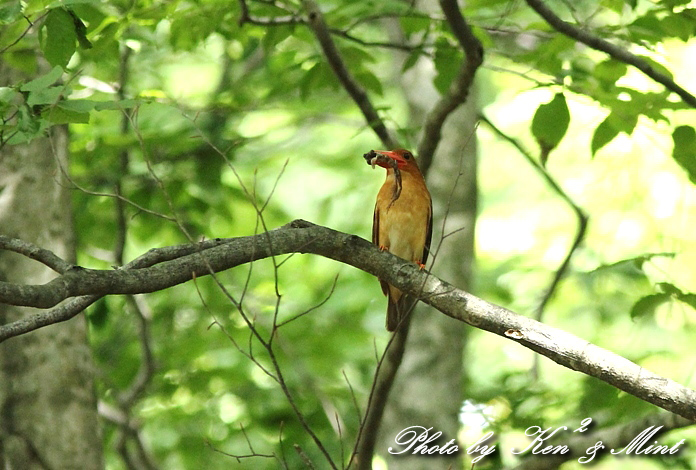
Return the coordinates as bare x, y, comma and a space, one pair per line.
303, 237
458, 91
616, 52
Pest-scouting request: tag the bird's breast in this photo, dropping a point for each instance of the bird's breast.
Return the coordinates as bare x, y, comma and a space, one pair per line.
403, 223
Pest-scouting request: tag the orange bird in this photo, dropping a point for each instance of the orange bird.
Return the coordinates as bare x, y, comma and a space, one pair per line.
403, 221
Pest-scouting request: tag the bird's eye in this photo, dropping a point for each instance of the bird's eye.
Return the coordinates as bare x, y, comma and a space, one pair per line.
407, 155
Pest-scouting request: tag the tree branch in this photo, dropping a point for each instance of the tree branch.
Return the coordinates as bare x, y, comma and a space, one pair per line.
43, 256
316, 22
614, 51
303, 237
377, 402
580, 215
459, 89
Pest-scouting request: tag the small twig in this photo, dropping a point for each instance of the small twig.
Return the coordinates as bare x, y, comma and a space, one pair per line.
305, 459
352, 394
313, 308
147, 365
619, 53
24, 33
43, 256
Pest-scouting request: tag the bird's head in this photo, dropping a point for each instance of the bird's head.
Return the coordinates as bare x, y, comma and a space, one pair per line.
404, 159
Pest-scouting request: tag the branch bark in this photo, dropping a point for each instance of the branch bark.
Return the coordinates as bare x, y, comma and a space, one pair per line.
303, 237
459, 89
616, 52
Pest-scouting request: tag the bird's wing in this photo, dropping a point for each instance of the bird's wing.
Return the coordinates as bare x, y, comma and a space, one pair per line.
428, 235
375, 240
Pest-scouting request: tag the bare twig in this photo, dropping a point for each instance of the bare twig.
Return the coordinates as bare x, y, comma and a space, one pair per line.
24, 33
619, 53
43, 256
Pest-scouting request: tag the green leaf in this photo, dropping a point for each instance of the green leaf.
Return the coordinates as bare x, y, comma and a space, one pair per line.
117, 105
670, 289
80, 31
657, 66
49, 95
43, 81
604, 134
609, 71
610, 128
447, 61
689, 299
646, 28
414, 24
65, 3
10, 11
58, 43
7, 94
410, 61
370, 82
616, 5
550, 122
684, 151
648, 304
60, 115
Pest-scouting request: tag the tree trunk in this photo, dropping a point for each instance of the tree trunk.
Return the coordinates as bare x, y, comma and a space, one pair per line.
48, 413
428, 390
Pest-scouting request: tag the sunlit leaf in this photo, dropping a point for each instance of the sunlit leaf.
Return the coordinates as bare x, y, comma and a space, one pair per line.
609, 71
684, 151
648, 304
59, 37
550, 122
610, 128
447, 63
43, 81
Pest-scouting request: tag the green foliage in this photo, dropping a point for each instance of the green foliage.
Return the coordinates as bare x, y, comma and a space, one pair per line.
647, 305
59, 37
550, 123
684, 151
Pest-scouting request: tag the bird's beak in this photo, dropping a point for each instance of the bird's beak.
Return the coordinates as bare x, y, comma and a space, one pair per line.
393, 155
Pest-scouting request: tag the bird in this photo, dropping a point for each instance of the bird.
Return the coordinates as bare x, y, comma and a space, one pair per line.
402, 222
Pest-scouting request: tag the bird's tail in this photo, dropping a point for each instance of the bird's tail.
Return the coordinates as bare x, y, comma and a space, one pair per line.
398, 307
